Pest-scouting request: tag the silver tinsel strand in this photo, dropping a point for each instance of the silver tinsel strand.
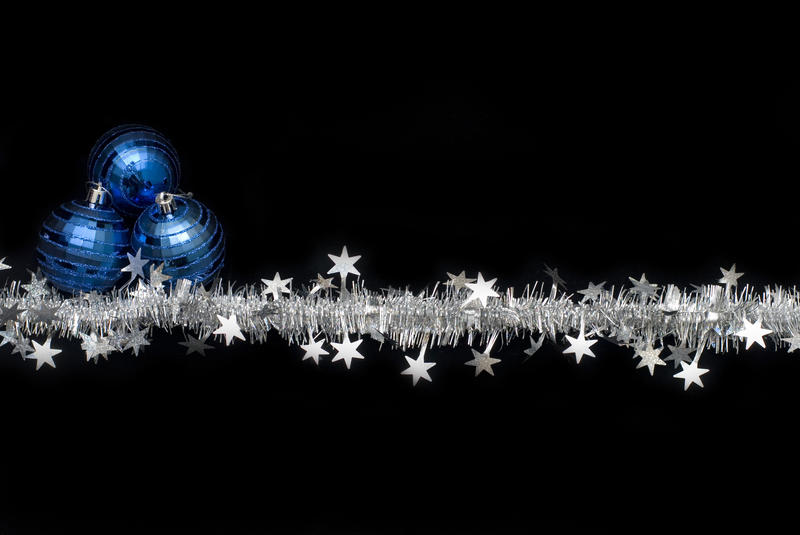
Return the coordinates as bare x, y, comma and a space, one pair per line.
707, 317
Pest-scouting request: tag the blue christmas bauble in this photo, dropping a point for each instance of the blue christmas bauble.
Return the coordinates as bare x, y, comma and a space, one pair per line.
135, 163
184, 235
83, 245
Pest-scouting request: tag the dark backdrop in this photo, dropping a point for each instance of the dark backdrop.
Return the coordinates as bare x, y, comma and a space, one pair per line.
604, 170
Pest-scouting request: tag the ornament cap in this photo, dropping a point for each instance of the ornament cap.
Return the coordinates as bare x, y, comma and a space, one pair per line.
165, 202
97, 194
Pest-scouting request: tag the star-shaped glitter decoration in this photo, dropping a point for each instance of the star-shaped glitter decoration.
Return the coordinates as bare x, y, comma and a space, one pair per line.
43, 353
794, 342
95, 346
44, 314
729, 277
8, 335
580, 345
558, 282
592, 292
649, 356
679, 354
157, 277
458, 282
347, 351
196, 345
135, 266
322, 283
344, 264
230, 328
22, 346
418, 368
481, 290
136, 339
536, 345
753, 333
37, 287
3, 265
483, 362
277, 286
691, 374
643, 287
313, 349
10, 313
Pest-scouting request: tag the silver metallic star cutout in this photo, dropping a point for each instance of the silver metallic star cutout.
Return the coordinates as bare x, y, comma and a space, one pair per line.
3, 265
580, 345
483, 362
230, 328
691, 374
196, 345
729, 277
43, 353
643, 287
322, 283
277, 286
535, 346
136, 339
558, 282
592, 292
418, 368
313, 349
37, 287
753, 333
649, 356
157, 277
135, 266
347, 351
481, 290
458, 282
678, 355
344, 264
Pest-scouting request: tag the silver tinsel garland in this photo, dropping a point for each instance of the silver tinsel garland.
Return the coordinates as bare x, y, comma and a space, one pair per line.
643, 317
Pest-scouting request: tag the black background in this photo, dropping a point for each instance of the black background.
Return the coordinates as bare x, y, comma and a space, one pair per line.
606, 169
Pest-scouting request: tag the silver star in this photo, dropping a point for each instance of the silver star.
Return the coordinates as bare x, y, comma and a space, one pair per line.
43, 353
679, 354
9, 335
418, 368
157, 278
230, 328
580, 345
535, 346
649, 356
344, 264
277, 286
794, 341
558, 282
691, 374
44, 314
22, 346
592, 292
135, 266
37, 287
481, 290
483, 362
459, 281
136, 339
753, 332
95, 346
313, 350
322, 283
729, 277
3, 265
10, 313
347, 351
196, 345
643, 287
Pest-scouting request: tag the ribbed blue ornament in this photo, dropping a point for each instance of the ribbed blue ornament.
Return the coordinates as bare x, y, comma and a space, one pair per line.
187, 237
82, 246
135, 163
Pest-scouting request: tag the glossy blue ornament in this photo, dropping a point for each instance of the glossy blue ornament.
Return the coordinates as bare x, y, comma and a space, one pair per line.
83, 244
183, 234
135, 163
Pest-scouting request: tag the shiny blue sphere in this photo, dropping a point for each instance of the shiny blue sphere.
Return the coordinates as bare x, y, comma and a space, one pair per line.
189, 241
135, 163
82, 247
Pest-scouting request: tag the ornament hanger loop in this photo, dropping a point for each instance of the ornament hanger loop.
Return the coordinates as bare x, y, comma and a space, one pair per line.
97, 193
166, 202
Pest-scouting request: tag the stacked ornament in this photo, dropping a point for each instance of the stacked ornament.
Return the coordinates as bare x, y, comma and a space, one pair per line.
133, 206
